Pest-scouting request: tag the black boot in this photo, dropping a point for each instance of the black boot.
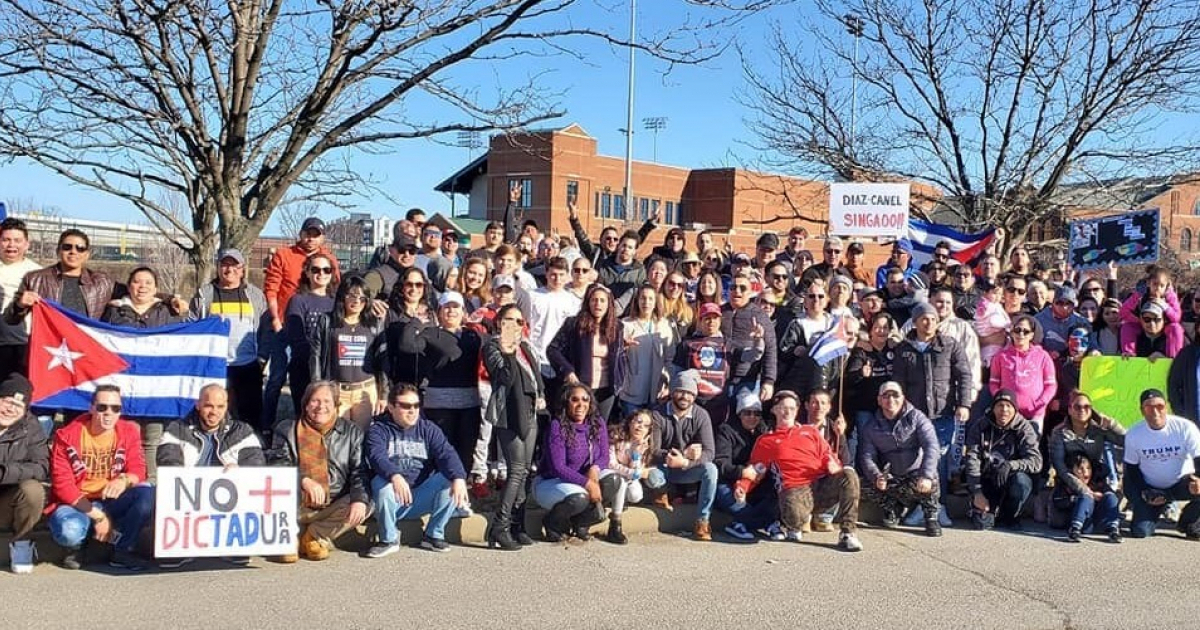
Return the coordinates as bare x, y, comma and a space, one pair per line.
557, 523
517, 529
499, 536
583, 521
615, 535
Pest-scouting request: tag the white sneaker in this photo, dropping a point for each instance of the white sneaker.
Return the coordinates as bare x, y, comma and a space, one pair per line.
849, 542
775, 532
462, 512
794, 535
22, 554
943, 517
739, 532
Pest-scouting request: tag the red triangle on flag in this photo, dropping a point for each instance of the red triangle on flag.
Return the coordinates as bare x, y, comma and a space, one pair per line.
62, 356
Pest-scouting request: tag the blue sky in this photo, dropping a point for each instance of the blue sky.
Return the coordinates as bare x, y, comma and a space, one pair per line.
704, 120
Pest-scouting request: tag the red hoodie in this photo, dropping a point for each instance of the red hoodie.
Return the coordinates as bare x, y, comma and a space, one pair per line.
67, 469
800, 454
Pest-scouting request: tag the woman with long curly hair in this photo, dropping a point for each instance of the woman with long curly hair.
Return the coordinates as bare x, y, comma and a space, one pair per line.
709, 288
574, 457
589, 349
313, 300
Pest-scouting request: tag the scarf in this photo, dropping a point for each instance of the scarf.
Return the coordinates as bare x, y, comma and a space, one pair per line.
312, 455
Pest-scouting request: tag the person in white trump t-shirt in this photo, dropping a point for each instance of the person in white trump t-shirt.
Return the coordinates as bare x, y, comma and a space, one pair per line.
1162, 455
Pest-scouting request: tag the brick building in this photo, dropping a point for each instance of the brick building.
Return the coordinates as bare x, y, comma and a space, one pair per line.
553, 165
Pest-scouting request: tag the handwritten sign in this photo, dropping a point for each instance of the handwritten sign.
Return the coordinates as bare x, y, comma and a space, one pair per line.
206, 512
868, 209
1126, 239
1116, 384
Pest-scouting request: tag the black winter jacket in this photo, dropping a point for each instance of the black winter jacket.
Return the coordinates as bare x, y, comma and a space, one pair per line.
935, 381
733, 446
989, 446
24, 452
236, 443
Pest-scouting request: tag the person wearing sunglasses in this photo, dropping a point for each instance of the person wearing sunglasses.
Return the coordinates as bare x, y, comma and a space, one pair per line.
901, 259
1091, 434
743, 323
516, 395
672, 251
1058, 318
1016, 288
414, 473
1161, 456
1026, 370
1152, 340
831, 263
574, 461
758, 509
1156, 289
314, 298
897, 454
966, 293
684, 434
69, 282
609, 237
346, 349
1001, 461
96, 466
623, 273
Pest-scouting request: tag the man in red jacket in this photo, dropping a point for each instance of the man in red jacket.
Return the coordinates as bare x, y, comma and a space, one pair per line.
811, 478
96, 463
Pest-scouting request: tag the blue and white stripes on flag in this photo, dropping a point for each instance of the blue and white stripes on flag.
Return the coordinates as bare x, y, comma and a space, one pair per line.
965, 248
830, 345
168, 366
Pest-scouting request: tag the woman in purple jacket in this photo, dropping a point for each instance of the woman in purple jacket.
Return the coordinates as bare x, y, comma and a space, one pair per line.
573, 458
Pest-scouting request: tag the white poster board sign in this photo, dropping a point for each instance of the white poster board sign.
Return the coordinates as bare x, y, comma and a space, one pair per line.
868, 210
206, 512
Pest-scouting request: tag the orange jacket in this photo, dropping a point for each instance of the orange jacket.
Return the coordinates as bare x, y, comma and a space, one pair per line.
283, 275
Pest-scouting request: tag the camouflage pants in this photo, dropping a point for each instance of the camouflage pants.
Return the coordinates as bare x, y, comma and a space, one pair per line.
796, 505
902, 494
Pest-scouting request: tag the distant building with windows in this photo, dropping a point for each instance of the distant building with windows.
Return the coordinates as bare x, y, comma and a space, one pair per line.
554, 165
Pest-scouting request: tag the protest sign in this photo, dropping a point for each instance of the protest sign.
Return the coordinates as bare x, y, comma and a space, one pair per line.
206, 512
868, 209
1116, 383
1126, 239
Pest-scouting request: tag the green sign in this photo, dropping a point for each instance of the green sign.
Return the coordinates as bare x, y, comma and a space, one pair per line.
1116, 383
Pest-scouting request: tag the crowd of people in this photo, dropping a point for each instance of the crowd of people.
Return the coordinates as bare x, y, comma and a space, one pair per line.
768, 385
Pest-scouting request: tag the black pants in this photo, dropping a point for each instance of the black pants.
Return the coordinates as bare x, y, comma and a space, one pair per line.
299, 377
14, 359
518, 450
245, 386
461, 427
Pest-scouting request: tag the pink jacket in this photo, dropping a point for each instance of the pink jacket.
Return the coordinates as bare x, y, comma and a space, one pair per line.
1030, 375
1131, 324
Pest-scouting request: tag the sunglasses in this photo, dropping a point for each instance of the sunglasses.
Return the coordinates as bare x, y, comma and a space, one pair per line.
580, 399
752, 413
580, 270
1022, 331
356, 298
779, 276
610, 239
966, 274
516, 320
740, 288
320, 270
1081, 407
890, 394
414, 285
408, 251
1016, 290
1156, 406
407, 406
1151, 320
69, 247
815, 296
108, 408
675, 284
833, 251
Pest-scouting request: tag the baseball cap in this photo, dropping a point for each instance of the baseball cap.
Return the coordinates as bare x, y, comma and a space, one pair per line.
1153, 308
891, 386
691, 257
313, 223
1066, 294
451, 297
904, 245
785, 393
234, 254
504, 281
747, 401
709, 309
856, 248
1147, 395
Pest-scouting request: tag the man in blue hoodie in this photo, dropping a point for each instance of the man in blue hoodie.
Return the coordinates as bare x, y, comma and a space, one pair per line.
415, 472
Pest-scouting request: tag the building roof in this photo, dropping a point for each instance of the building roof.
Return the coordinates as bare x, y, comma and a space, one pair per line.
460, 182
462, 225
1120, 193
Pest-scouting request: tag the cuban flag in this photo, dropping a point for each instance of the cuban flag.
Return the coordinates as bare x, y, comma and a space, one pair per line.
832, 344
160, 370
965, 248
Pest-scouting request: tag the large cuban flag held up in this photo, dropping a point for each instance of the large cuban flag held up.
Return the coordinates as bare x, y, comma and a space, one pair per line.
160, 370
965, 248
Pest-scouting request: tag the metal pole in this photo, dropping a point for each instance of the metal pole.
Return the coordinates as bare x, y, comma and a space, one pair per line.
628, 194
854, 26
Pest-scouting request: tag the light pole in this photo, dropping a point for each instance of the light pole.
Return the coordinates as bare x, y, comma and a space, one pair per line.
854, 26
469, 140
627, 196
655, 125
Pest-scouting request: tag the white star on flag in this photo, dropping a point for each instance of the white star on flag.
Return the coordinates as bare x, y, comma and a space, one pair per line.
63, 356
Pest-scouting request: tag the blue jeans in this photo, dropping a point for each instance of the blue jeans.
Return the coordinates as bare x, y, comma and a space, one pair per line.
276, 349
129, 513
431, 497
950, 436
756, 514
706, 474
1088, 513
1145, 516
549, 492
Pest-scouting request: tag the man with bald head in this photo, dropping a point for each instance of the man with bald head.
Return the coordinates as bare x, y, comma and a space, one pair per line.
207, 436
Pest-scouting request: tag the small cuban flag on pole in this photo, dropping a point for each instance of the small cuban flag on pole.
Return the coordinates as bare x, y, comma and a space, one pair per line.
3, 211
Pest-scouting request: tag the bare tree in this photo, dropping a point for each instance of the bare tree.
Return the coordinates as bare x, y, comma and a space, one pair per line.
237, 106
994, 104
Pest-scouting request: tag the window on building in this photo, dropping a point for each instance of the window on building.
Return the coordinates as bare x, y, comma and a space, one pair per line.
596, 206
1196, 207
618, 206
606, 205
678, 213
669, 214
654, 208
1185, 240
572, 190
644, 209
526, 200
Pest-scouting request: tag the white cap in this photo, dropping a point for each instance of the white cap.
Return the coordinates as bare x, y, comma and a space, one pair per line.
451, 297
